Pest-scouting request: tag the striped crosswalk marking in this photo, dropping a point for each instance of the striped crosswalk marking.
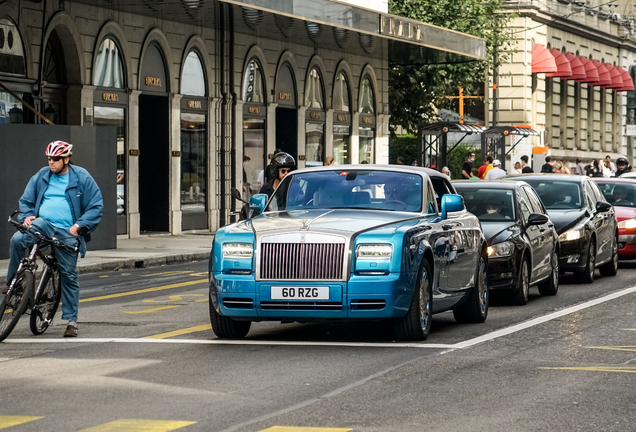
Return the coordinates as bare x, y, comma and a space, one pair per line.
125, 425
303, 429
8, 421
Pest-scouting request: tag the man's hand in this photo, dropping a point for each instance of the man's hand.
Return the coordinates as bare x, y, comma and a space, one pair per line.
73, 230
28, 221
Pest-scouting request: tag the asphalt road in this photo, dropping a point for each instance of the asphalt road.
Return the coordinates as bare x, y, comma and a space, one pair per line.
146, 360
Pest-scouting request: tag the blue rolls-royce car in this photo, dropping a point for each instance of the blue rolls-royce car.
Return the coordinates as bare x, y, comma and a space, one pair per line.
361, 242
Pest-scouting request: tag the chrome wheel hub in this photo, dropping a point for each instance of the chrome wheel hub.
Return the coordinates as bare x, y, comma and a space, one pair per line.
425, 302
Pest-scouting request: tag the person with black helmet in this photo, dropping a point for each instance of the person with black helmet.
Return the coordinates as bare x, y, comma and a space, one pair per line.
622, 166
282, 163
270, 174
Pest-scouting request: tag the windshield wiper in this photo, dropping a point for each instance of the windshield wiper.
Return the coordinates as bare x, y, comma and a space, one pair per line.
360, 208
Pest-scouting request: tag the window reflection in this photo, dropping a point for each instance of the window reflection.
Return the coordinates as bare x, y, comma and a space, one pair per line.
11, 50
11, 109
193, 162
367, 145
253, 83
193, 79
313, 90
367, 98
341, 140
253, 155
109, 70
108, 116
341, 93
314, 144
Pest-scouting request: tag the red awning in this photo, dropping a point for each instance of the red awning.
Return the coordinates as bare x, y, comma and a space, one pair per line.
603, 74
542, 60
562, 63
615, 75
628, 82
578, 70
591, 74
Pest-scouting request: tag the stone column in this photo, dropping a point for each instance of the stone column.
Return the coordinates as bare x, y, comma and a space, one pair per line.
355, 138
271, 129
79, 98
214, 188
132, 174
382, 138
301, 136
175, 164
238, 134
329, 133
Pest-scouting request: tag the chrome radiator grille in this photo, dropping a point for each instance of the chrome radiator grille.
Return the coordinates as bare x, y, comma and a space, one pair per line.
302, 261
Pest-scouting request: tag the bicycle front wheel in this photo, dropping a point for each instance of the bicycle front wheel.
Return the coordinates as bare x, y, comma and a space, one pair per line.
15, 303
47, 303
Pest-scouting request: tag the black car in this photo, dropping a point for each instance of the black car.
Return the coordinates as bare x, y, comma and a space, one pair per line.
523, 246
586, 223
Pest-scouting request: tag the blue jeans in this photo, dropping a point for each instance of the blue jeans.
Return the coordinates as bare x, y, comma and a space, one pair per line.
67, 261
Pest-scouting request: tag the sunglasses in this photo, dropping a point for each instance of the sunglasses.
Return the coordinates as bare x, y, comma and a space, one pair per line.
284, 170
55, 158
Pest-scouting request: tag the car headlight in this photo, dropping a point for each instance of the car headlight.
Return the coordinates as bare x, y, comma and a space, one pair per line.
628, 224
237, 250
374, 251
501, 250
571, 235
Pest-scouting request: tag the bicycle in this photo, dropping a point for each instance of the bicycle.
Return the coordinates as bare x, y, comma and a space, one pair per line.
22, 294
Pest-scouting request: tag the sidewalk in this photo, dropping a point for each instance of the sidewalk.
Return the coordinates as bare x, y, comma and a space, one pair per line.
147, 251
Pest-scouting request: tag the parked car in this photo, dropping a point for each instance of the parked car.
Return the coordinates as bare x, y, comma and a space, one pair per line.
585, 222
621, 193
523, 246
354, 243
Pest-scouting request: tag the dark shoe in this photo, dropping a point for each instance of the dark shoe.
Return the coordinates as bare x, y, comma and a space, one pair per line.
70, 331
5, 290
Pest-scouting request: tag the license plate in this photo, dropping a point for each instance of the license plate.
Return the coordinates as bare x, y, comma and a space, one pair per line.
300, 293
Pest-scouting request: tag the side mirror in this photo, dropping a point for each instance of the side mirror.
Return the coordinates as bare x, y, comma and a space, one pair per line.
257, 204
452, 203
537, 219
237, 195
603, 206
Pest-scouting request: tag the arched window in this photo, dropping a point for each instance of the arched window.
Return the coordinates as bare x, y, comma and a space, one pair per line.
109, 68
341, 93
313, 90
341, 120
367, 98
193, 77
253, 83
11, 49
53, 70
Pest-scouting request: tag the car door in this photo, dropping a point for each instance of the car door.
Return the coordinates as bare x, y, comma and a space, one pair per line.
533, 233
546, 240
599, 221
608, 228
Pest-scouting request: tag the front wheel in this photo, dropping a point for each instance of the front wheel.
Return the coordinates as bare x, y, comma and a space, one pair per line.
15, 303
587, 276
47, 303
551, 286
522, 293
611, 268
227, 328
416, 324
476, 308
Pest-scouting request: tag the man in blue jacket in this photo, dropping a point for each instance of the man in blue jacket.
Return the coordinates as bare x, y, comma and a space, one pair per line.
62, 201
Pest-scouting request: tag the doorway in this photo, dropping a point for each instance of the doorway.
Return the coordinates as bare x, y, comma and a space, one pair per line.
287, 131
154, 164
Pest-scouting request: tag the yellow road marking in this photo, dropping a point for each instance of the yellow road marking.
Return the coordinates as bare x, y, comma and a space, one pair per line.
174, 298
616, 348
630, 329
126, 274
303, 429
180, 332
625, 369
139, 426
169, 273
104, 276
200, 274
143, 291
202, 300
150, 310
8, 421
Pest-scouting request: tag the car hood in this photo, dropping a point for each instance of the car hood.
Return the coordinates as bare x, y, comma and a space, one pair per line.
563, 220
328, 220
497, 232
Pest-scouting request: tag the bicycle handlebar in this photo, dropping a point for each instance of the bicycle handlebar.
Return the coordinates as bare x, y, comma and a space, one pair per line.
41, 237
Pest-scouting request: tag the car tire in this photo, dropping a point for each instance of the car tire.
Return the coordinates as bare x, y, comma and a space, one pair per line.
475, 310
520, 296
416, 324
611, 268
227, 328
587, 275
551, 285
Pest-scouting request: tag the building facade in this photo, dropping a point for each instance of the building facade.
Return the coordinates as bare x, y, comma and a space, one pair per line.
201, 93
577, 116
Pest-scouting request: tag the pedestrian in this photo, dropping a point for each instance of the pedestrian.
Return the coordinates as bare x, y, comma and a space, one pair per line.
485, 167
446, 172
517, 168
496, 172
400, 160
564, 169
246, 185
414, 163
612, 166
62, 201
282, 164
578, 168
468, 166
474, 174
595, 169
547, 166
329, 161
525, 168
269, 170
607, 169
623, 166
557, 167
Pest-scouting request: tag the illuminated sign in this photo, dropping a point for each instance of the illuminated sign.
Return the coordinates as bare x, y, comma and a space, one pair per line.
365, 120
110, 97
284, 96
153, 82
314, 115
194, 104
254, 110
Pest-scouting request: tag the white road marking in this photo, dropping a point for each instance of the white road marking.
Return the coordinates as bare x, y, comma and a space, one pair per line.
460, 345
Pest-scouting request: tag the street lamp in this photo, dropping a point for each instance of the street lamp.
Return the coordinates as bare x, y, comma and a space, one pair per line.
15, 114
49, 112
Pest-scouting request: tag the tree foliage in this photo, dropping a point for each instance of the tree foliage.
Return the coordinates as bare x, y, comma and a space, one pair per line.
415, 91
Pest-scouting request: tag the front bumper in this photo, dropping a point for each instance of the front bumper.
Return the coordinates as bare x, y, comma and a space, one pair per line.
626, 246
502, 273
361, 298
573, 255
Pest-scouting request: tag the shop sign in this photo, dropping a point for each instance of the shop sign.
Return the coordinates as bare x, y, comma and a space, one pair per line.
110, 97
176, 153
400, 28
366, 120
194, 104
284, 96
254, 110
342, 118
314, 115
153, 81
134, 152
631, 130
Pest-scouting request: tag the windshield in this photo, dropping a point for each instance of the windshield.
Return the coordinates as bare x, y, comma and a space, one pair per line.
619, 194
376, 190
490, 205
558, 195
